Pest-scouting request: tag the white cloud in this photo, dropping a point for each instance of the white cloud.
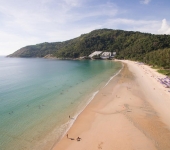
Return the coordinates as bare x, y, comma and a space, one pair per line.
73, 3
165, 28
145, 2
10, 42
29, 22
87, 12
47, 13
147, 26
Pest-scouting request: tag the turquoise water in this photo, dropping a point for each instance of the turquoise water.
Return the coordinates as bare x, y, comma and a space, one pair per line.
37, 96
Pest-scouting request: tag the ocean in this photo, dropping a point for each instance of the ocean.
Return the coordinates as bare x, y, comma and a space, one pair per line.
38, 95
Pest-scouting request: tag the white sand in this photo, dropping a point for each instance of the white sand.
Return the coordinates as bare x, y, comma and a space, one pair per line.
157, 94
130, 113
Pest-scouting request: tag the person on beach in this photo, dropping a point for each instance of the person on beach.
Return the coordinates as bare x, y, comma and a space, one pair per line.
78, 139
67, 135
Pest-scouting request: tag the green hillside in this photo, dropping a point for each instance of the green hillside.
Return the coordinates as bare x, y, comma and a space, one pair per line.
127, 44
39, 50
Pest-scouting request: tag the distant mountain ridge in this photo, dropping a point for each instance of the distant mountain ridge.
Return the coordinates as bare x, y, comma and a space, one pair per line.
126, 44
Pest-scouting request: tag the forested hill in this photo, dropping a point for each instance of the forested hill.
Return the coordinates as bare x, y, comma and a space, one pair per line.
127, 44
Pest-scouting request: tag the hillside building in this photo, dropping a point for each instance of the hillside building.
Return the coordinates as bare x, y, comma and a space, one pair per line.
95, 53
103, 55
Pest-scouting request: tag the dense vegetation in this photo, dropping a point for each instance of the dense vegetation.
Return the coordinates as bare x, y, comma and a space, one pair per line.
160, 58
38, 50
149, 48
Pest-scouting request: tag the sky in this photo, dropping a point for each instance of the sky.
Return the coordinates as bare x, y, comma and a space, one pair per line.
28, 22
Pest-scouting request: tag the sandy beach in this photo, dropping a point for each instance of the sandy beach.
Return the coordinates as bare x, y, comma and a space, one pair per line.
130, 113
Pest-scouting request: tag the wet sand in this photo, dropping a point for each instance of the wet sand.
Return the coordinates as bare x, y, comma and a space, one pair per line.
131, 112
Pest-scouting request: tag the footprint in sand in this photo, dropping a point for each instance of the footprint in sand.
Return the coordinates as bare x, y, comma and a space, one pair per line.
100, 145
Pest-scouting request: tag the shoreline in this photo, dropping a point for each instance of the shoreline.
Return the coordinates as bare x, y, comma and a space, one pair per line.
88, 101
124, 112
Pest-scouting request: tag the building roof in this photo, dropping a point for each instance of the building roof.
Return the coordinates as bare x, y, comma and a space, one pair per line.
95, 53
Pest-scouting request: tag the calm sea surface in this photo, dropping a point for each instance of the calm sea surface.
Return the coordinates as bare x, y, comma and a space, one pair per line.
37, 96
